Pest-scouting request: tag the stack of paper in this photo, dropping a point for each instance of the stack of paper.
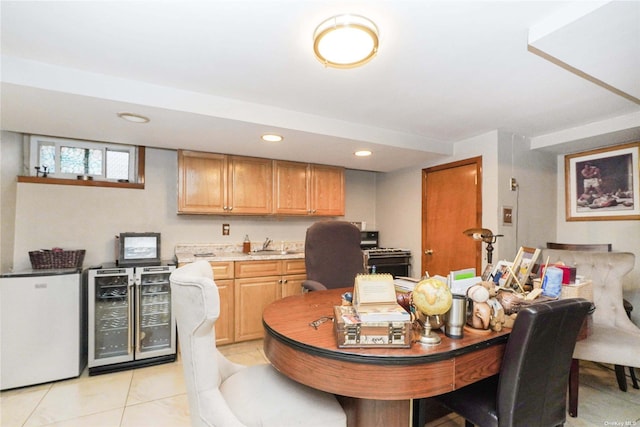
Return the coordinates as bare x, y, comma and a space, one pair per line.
374, 299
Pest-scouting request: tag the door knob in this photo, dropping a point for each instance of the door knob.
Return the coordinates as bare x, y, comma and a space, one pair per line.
428, 252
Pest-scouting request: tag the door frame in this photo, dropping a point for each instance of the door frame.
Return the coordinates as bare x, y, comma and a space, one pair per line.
477, 161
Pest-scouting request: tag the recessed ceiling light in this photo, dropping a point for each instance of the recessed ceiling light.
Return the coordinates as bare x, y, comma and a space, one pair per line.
135, 118
363, 153
272, 137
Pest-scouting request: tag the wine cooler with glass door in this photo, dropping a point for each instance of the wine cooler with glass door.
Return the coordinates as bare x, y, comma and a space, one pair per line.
131, 323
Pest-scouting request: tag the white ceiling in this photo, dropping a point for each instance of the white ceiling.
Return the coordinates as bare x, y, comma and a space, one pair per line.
214, 75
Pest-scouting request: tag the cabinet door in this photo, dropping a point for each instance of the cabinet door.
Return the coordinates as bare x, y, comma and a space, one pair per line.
327, 190
225, 323
292, 284
291, 188
252, 295
201, 182
250, 185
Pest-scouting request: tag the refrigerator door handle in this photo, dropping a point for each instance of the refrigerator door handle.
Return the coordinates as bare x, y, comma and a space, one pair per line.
138, 317
131, 315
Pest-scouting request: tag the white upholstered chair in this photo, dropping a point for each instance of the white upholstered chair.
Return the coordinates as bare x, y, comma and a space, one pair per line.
615, 339
224, 394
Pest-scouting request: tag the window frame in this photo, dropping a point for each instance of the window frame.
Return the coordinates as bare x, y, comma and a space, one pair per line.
136, 161
36, 141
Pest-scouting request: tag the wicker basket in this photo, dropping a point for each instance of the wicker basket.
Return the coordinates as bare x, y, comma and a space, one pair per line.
56, 258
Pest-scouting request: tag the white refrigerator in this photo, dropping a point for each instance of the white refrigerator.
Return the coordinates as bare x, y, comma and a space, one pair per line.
43, 327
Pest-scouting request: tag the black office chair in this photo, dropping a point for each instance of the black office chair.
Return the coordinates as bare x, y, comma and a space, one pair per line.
531, 388
332, 255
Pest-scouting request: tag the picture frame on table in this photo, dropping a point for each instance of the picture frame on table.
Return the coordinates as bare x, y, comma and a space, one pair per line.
500, 273
603, 184
523, 264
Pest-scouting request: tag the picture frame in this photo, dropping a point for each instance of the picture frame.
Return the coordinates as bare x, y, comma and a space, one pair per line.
523, 264
603, 184
500, 273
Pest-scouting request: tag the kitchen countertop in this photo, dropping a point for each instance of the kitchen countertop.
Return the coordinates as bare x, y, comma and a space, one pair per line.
186, 253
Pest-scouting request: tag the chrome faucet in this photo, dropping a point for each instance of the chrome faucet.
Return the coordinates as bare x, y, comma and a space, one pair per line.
265, 245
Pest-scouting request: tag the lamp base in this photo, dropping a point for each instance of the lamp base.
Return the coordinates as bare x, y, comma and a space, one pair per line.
428, 337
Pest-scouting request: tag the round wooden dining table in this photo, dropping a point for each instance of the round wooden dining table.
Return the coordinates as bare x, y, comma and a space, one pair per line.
374, 385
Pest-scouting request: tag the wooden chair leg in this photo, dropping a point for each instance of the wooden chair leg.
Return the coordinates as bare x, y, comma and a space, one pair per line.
634, 379
574, 382
622, 379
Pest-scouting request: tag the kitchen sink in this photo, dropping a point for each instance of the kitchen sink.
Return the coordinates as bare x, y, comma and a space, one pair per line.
274, 252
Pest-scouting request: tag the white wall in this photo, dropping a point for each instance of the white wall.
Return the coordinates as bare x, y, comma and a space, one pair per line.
75, 217
533, 202
10, 167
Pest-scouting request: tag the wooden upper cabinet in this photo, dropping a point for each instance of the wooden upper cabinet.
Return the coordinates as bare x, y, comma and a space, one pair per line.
250, 185
201, 182
307, 189
291, 188
327, 190
219, 184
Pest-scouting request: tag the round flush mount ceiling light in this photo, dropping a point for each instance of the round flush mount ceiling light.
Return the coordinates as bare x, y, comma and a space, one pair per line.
134, 118
363, 153
345, 41
272, 137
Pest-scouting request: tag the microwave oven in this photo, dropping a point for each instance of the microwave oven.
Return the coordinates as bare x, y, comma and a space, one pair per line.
369, 239
137, 249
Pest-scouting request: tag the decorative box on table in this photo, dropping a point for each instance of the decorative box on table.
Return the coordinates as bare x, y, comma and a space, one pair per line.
583, 289
351, 332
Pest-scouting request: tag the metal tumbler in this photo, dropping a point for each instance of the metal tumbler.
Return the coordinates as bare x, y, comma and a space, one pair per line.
456, 317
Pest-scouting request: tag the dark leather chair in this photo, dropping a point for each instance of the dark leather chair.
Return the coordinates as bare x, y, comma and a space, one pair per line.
332, 255
531, 388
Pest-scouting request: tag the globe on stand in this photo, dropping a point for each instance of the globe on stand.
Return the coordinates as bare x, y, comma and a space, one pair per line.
432, 297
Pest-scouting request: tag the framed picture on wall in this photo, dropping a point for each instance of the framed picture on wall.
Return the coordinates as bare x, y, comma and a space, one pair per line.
603, 184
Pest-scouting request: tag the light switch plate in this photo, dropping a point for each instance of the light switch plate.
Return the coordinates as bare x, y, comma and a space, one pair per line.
507, 215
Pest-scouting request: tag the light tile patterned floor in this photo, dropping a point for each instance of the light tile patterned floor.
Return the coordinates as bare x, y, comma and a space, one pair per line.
156, 397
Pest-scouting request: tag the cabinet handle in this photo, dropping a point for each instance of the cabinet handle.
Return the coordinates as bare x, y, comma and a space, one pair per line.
285, 281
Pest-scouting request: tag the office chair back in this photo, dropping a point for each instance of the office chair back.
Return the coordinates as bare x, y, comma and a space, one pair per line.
533, 377
530, 390
333, 256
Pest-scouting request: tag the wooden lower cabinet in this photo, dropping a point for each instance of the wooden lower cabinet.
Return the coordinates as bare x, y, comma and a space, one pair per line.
252, 296
258, 284
292, 284
246, 288
223, 274
225, 328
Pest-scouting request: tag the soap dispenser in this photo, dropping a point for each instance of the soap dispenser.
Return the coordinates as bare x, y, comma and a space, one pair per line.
246, 245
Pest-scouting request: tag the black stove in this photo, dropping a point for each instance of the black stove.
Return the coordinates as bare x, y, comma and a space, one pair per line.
387, 252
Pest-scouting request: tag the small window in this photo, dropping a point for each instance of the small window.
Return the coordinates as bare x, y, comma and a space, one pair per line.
66, 158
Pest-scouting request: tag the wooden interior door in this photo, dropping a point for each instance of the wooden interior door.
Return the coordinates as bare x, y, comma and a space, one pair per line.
451, 203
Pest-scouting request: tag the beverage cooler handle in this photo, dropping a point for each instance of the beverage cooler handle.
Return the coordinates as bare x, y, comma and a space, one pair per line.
138, 315
131, 314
